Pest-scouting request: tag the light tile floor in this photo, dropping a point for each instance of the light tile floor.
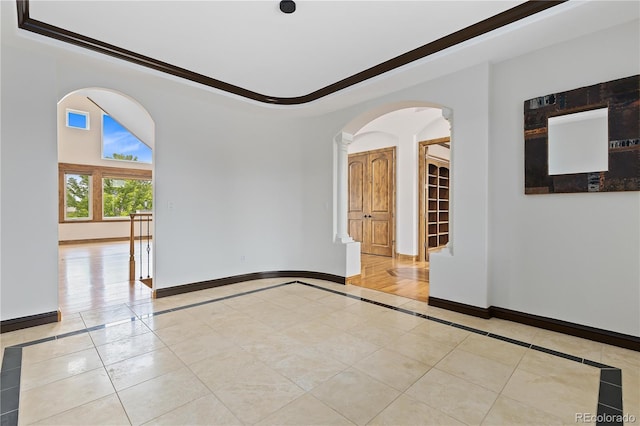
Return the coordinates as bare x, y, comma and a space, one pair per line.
300, 355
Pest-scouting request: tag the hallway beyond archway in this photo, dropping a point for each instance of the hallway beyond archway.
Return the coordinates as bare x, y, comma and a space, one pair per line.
393, 275
106, 150
94, 276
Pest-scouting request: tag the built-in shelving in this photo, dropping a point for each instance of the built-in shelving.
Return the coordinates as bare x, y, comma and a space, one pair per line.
437, 203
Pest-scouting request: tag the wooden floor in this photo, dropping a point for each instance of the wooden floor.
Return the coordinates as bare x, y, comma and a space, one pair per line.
391, 275
96, 275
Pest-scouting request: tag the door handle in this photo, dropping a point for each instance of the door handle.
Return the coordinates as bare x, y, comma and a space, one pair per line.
367, 216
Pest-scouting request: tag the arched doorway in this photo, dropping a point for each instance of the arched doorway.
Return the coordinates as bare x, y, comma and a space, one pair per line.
105, 165
399, 127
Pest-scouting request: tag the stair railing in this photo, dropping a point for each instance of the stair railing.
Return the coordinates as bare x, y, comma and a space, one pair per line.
143, 222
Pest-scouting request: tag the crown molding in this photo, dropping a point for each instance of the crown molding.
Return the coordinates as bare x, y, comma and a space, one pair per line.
500, 20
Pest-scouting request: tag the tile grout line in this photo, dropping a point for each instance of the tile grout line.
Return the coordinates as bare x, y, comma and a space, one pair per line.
104, 366
602, 393
497, 337
10, 396
10, 418
467, 328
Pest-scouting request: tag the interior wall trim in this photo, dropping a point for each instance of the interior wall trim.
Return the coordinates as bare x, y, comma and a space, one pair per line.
462, 308
407, 257
586, 332
203, 285
29, 321
353, 279
500, 20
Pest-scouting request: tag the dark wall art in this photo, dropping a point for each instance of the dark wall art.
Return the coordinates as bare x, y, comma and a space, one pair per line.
619, 100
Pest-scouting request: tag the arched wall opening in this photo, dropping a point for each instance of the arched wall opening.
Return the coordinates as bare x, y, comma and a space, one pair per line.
401, 125
106, 140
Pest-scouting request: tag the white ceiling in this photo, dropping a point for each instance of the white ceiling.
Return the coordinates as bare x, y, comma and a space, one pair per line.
251, 44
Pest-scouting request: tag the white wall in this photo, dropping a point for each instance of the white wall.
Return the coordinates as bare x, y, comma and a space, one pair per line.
29, 184
403, 129
435, 129
573, 257
239, 173
374, 139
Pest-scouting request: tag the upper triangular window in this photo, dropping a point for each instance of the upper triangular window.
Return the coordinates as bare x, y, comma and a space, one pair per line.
118, 143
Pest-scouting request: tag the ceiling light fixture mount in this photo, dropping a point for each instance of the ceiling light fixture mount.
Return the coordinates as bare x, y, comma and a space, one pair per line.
287, 6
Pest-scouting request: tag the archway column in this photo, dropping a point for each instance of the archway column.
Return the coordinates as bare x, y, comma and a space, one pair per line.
352, 248
342, 141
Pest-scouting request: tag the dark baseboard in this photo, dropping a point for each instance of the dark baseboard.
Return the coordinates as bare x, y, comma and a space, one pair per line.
463, 308
203, 285
586, 332
29, 321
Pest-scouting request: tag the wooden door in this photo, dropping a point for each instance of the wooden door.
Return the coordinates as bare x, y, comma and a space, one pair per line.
358, 212
372, 200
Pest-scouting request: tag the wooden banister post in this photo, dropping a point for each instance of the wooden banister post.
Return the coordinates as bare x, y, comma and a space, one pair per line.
132, 258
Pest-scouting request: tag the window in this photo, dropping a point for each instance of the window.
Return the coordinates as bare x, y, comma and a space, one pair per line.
77, 196
77, 119
124, 191
118, 143
123, 196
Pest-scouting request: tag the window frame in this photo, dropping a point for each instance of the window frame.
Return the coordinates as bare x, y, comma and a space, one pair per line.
75, 111
96, 173
89, 218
